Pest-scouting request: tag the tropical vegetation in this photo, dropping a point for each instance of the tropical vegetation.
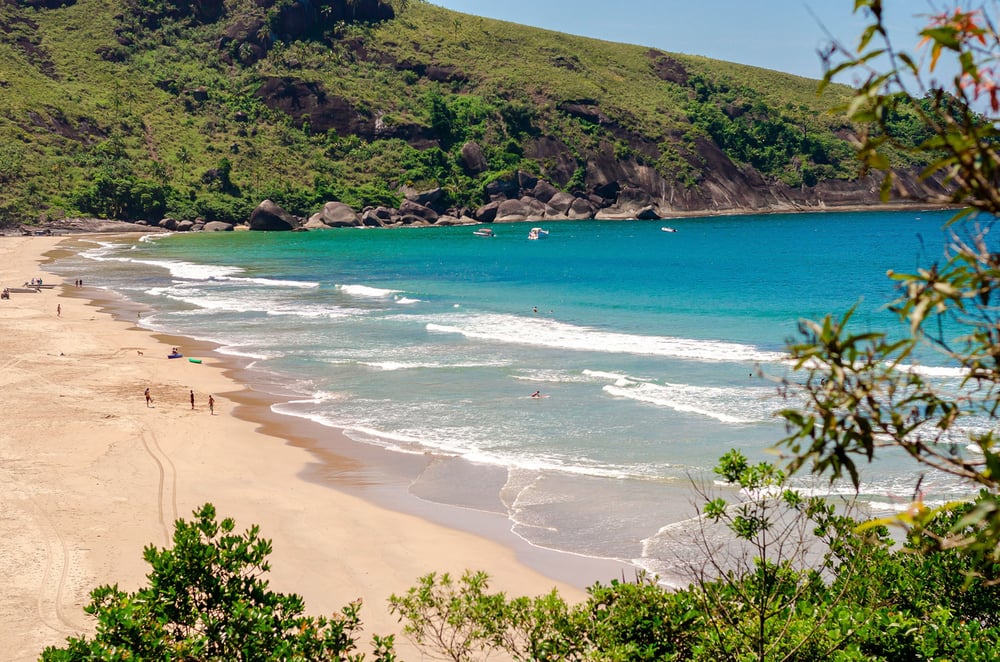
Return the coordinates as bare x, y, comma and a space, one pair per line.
801, 577
153, 108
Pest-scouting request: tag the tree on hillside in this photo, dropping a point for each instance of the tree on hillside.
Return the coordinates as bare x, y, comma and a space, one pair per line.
862, 398
207, 599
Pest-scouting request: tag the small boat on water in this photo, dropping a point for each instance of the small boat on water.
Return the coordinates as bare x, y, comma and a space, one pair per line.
537, 233
668, 229
484, 232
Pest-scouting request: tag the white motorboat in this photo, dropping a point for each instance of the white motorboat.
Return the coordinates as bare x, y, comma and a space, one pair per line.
537, 233
668, 229
484, 232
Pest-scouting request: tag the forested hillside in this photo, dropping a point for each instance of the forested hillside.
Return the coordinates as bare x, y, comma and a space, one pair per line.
142, 109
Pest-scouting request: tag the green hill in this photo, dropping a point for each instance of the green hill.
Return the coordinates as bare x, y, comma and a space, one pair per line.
151, 108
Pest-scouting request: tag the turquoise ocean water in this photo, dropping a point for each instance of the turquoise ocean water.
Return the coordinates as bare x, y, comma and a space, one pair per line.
645, 344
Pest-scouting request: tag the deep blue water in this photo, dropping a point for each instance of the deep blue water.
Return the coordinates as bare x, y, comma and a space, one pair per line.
645, 344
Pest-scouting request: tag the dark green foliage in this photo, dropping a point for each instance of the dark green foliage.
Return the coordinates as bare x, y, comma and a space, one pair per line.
640, 621
176, 94
125, 197
777, 143
207, 599
831, 589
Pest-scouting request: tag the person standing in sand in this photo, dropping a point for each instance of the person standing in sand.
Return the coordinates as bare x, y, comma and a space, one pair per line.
58, 310
211, 406
149, 399
192, 399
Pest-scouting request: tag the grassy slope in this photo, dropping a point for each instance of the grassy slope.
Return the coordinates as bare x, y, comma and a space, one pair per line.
142, 101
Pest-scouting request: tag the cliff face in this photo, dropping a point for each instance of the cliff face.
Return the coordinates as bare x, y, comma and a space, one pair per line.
202, 110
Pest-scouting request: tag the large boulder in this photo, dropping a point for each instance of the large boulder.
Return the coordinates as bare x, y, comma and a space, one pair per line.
500, 189
334, 215
544, 191
582, 208
473, 159
377, 217
218, 226
424, 198
270, 217
526, 180
512, 211
410, 208
561, 201
315, 223
487, 213
633, 197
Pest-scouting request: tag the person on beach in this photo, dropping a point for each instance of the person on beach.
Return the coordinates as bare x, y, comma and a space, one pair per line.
58, 310
149, 399
192, 399
211, 406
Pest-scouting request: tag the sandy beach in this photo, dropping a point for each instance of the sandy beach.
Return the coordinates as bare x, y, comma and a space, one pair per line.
89, 475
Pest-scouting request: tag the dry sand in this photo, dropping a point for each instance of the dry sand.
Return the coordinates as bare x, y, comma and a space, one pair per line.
89, 475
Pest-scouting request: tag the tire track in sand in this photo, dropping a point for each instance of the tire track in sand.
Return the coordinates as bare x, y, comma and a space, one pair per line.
166, 494
53, 541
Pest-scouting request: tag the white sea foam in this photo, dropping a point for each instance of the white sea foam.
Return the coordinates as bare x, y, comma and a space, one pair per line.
230, 350
553, 377
935, 371
727, 405
366, 291
237, 300
417, 365
191, 271
451, 442
551, 333
606, 376
406, 301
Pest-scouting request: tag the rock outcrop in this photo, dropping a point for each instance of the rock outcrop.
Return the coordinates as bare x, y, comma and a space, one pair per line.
270, 217
334, 215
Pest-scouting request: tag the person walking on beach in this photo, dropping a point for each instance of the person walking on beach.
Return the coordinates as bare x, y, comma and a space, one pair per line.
192, 399
58, 310
211, 406
149, 399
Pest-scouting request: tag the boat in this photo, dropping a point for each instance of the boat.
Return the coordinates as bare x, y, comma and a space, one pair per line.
668, 229
175, 356
538, 233
484, 232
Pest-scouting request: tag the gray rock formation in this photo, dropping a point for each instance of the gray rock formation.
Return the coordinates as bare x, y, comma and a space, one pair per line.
334, 215
269, 217
473, 159
410, 208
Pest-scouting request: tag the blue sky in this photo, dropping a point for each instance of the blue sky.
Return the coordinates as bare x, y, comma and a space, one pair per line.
775, 34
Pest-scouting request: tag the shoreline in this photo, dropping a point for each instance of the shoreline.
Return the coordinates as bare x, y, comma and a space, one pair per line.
372, 473
91, 475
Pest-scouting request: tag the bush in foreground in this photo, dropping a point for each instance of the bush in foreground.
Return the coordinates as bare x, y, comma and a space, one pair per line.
207, 599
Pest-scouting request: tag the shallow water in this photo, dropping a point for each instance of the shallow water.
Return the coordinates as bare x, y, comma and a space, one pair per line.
645, 344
